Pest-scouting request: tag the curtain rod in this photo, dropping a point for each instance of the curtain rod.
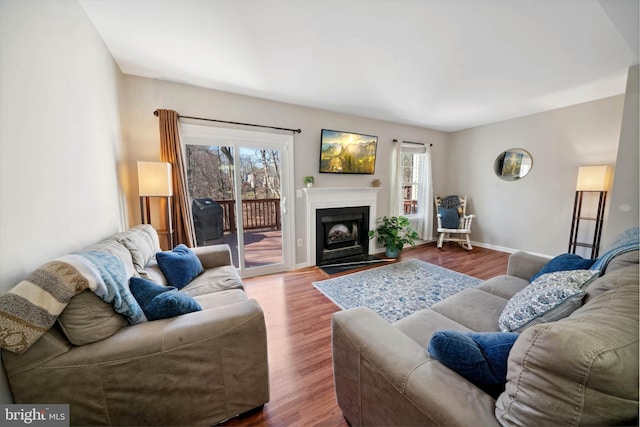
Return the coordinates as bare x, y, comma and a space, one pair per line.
155, 113
415, 143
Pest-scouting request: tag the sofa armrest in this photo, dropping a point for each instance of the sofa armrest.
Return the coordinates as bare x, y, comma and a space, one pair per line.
524, 264
214, 255
383, 377
211, 365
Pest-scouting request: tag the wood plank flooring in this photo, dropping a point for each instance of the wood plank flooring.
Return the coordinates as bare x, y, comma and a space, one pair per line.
298, 321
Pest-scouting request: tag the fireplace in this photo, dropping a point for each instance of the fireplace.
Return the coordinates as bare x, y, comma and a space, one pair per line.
340, 198
341, 234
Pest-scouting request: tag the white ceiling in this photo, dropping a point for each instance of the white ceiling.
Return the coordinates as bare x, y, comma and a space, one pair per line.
441, 64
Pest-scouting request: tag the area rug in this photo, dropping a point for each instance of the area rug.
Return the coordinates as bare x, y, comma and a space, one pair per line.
397, 290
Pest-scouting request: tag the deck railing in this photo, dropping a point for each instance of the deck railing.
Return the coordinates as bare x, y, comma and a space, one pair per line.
257, 214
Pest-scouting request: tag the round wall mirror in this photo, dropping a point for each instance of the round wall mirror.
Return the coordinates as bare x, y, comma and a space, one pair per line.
513, 164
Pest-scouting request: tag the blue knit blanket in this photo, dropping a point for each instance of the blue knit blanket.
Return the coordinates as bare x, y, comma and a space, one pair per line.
626, 241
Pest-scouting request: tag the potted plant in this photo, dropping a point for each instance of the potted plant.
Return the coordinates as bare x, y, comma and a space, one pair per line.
394, 233
309, 180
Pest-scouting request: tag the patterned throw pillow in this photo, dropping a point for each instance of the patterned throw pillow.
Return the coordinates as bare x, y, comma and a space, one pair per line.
552, 296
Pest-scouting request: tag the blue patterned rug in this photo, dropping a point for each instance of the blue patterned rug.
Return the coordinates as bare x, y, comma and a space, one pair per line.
397, 290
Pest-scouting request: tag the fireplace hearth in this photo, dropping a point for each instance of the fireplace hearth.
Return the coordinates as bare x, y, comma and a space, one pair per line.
341, 234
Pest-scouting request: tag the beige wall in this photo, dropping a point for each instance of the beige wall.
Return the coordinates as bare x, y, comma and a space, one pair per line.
533, 214
60, 139
623, 201
141, 96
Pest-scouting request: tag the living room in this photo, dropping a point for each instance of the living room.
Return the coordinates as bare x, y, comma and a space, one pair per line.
73, 126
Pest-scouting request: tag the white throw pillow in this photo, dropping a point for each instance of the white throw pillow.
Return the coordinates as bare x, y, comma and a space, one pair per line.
552, 296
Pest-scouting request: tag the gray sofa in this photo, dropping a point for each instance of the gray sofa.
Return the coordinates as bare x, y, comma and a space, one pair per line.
198, 368
581, 370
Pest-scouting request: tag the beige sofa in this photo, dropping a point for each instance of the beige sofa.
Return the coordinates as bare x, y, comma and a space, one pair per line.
198, 368
581, 370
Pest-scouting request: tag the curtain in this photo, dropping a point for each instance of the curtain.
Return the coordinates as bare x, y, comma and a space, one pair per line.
426, 226
395, 196
171, 151
425, 196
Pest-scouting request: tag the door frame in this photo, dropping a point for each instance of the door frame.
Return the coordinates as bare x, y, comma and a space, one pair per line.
238, 138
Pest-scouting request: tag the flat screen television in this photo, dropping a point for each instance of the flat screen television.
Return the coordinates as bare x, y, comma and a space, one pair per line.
346, 152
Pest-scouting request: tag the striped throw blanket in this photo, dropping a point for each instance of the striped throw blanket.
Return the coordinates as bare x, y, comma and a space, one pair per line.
31, 307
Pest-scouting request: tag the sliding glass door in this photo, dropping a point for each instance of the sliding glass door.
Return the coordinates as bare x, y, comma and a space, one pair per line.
239, 183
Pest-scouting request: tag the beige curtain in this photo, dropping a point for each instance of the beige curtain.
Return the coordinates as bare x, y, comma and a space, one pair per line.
171, 151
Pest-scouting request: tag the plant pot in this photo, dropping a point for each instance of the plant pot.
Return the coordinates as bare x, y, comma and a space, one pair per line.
309, 184
391, 252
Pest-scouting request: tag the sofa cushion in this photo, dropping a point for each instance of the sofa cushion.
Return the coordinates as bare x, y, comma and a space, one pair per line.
152, 272
503, 286
473, 308
161, 302
142, 242
581, 370
480, 357
114, 247
214, 280
550, 297
422, 324
88, 319
564, 262
180, 266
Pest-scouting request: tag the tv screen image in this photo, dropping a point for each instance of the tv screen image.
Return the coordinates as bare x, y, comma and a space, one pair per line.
346, 152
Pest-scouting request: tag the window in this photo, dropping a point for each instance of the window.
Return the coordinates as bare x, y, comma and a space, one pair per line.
412, 187
411, 164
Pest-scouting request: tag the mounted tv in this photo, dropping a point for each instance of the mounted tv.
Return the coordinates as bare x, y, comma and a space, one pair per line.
346, 152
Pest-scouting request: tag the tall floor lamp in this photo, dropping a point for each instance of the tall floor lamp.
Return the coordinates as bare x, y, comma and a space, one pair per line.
154, 180
591, 179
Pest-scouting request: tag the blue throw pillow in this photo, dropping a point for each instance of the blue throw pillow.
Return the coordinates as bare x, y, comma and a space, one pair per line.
564, 262
161, 302
449, 217
480, 357
180, 266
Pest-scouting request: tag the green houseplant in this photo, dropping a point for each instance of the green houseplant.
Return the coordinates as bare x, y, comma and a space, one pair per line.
309, 179
394, 233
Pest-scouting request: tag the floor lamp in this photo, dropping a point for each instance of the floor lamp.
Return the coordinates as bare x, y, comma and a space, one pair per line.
591, 179
154, 180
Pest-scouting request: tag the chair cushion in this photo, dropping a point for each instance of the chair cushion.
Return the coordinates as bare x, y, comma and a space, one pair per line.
564, 262
550, 297
480, 357
161, 302
180, 266
449, 217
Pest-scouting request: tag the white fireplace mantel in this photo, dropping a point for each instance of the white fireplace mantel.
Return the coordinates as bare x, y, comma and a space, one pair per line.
336, 197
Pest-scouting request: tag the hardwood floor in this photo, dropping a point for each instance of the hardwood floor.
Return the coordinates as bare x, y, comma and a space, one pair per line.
298, 321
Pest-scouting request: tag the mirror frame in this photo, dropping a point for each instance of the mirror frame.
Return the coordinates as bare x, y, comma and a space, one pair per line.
518, 164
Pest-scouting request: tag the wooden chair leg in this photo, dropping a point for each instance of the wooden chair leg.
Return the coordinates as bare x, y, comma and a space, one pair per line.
440, 240
468, 244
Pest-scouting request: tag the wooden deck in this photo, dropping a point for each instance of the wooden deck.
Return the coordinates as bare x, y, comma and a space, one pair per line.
260, 247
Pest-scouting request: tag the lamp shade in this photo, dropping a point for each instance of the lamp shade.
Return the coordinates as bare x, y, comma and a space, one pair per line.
594, 178
154, 179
